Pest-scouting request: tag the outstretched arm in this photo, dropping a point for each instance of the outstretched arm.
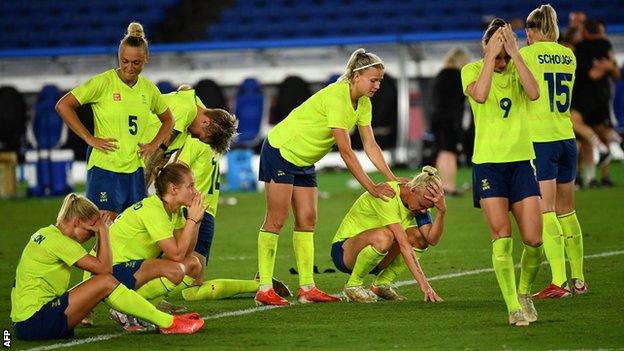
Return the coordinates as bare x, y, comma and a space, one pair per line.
373, 151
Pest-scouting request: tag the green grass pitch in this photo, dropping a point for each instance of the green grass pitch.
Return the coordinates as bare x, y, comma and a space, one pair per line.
473, 316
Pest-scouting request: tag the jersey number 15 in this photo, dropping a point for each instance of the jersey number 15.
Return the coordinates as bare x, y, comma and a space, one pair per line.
557, 87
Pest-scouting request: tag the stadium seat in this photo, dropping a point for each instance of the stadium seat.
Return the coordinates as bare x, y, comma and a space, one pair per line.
250, 112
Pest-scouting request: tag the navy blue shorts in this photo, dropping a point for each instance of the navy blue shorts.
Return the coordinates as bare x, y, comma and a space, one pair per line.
337, 255
205, 235
556, 160
512, 180
50, 322
113, 191
124, 272
274, 167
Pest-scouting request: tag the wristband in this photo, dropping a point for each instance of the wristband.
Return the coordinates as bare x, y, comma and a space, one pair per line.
163, 147
196, 222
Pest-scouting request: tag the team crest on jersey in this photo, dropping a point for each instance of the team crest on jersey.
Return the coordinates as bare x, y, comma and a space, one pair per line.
116, 97
485, 185
103, 196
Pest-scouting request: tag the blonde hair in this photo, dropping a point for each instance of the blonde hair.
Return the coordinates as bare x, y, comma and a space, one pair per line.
427, 176
359, 60
75, 205
456, 58
544, 20
135, 37
221, 129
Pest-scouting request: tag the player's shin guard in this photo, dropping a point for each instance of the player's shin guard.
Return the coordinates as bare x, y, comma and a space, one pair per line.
303, 244
554, 247
267, 247
216, 289
396, 267
504, 270
573, 243
530, 263
130, 302
366, 260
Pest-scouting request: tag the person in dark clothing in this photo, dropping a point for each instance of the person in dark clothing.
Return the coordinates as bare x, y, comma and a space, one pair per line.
596, 66
448, 103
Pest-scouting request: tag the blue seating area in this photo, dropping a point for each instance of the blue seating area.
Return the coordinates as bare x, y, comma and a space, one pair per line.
61, 23
286, 19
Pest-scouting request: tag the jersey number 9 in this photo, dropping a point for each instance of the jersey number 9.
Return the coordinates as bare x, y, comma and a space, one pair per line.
557, 87
505, 104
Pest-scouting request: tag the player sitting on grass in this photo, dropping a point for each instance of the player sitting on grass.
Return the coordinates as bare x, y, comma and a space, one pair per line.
152, 242
372, 237
43, 308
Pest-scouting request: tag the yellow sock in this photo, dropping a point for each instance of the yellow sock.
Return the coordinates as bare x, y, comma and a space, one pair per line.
366, 260
267, 247
504, 270
530, 263
216, 289
155, 289
396, 267
553, 248
573, 243
130, 302
303, 244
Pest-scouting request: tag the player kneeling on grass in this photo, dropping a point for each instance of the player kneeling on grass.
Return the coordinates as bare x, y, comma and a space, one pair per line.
43, 308
372, 237
152, 242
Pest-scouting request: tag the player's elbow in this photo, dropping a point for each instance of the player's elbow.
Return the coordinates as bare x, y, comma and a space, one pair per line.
102, 269
534, 96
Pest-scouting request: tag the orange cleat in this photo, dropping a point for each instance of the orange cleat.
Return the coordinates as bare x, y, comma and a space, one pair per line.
191, 315
271, 298
315, 295
183, 326
552, 292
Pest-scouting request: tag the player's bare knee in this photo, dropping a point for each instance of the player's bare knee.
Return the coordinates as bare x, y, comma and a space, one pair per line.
107, 281
175, 272
383, 240
535, 242
193, 266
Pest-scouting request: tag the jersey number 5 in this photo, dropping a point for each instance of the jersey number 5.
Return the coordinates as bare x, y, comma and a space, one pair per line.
133, 128
557, 87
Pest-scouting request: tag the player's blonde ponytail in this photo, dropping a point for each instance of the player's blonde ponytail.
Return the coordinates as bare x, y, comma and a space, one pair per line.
359, 60
75, 205
544, 20
135, 37
427, 176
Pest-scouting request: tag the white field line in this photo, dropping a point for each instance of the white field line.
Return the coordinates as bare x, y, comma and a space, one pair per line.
265, 308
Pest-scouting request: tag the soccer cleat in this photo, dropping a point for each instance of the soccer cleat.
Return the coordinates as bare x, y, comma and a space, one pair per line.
517, 318
358, 294
315, 295
607, 182
387, 292
552, 291
270, 297
170, 308
183, 326
87, 321
280, 288
579, 287
129, 323
190, 315
528, 309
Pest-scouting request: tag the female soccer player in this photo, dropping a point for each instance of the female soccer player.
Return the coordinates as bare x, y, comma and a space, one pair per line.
503, 178
43, 308
287, 167
553, 66
214, 127
372, 237
155, 226
122, 101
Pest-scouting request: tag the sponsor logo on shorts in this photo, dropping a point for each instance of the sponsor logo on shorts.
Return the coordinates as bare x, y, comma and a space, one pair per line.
103, 196
281, 173
485, 184
130, 264
56, 303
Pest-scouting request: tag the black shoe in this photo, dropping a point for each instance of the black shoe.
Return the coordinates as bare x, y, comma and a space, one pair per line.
578, 182
593, 184
606, 181
604, 158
